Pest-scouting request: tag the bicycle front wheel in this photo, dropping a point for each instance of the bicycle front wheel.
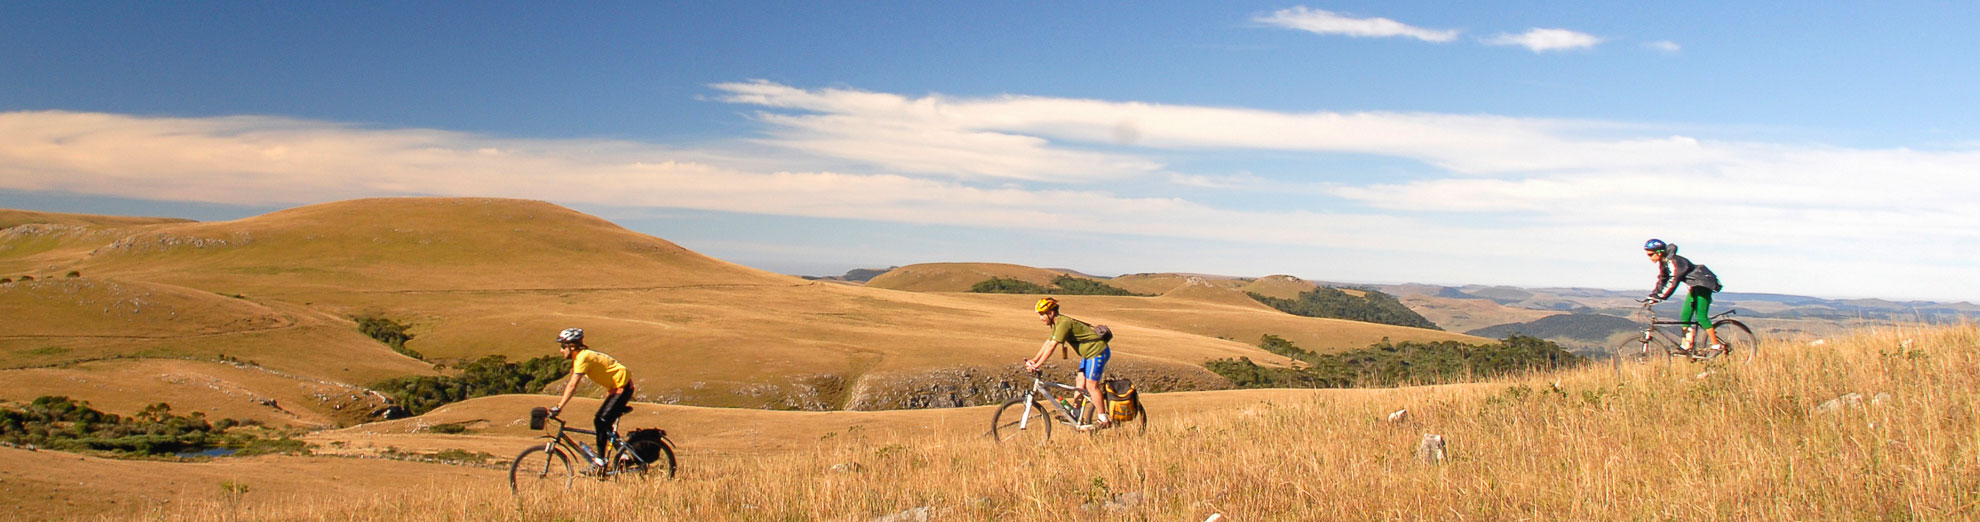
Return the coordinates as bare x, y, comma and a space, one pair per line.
538, 470
1740, 343
1013, 424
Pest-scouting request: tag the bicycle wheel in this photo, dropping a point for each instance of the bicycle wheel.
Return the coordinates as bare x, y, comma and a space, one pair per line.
1140, 422
1036, 427
663, 465
1739, 340
1636, 350
536, 469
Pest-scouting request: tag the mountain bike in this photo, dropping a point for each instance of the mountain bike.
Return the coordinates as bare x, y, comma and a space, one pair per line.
1028, 417
548, 465
1665, 338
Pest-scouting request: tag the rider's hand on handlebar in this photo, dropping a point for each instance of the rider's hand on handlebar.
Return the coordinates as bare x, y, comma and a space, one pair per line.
555, 411
1030, 365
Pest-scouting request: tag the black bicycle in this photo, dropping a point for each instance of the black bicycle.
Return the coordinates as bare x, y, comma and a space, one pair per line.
1736, 342
646, 452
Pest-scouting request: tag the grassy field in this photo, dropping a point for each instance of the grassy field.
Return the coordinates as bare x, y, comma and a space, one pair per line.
1780, 439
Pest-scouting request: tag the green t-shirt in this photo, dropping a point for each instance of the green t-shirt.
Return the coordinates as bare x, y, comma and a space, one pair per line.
1083, 339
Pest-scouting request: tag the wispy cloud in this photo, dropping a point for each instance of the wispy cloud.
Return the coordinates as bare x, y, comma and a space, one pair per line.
1544, 40
1665, 46
1320, 21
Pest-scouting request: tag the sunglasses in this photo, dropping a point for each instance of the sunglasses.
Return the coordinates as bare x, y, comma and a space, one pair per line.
1651, 252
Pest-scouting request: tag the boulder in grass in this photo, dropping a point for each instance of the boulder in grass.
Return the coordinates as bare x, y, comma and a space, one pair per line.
1431, 450
919, 514
1399, 417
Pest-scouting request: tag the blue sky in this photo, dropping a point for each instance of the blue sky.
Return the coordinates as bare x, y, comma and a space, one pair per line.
1825, 150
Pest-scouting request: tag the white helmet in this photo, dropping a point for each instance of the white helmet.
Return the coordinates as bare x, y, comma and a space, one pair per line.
571, 335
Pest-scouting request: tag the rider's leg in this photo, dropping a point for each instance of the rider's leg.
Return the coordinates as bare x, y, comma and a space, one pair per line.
1699, 305
608, 415
1090, 370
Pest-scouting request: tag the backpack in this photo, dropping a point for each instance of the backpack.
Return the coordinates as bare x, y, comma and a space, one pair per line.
1106, 334
646, 452
1123, 403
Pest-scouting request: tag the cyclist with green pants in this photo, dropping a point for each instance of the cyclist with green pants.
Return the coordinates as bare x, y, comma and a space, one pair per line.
1673, 269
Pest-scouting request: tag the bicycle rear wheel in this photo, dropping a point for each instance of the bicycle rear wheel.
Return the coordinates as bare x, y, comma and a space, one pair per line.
540, 470
1012, 424
1741, 345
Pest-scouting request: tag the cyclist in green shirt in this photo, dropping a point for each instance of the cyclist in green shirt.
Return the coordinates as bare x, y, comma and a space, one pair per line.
1089, 344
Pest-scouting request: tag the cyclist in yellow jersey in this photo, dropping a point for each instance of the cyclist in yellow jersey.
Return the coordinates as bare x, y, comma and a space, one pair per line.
602, 369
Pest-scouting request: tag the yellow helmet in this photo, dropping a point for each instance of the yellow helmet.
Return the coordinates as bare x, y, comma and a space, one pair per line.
1047, 305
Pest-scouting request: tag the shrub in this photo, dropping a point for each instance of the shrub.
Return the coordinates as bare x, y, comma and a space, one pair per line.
1328, 302
491, 375
64, 424
1062, 285
5, 280
1394, 364
73, 273
1003, 285
27, 278
387, 331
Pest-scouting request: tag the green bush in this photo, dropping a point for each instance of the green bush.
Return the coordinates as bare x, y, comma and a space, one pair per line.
491, 375
1004, 285
1328, 302
1062, 285
387, 331
64, 424
73, 273
1394, 364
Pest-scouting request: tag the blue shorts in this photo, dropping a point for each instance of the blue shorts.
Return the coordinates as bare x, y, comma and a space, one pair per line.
1093, 366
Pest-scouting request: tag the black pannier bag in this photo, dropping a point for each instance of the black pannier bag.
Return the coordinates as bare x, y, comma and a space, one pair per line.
646, 452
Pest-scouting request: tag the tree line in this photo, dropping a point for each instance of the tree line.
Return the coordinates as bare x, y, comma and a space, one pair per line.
1062, 285
1394, 364
1329, 302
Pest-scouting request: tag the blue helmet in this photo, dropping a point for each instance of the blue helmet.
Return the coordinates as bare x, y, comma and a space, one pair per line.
1656, 245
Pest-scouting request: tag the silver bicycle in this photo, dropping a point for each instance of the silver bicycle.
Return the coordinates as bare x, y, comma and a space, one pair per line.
1031, 416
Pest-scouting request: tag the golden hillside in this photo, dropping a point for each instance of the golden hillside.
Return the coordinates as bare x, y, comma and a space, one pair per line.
479, 277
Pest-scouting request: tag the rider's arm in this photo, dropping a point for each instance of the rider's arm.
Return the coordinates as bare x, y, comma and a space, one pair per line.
1044, 351
569, 390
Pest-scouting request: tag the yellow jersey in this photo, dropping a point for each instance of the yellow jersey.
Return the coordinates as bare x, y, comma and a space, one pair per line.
601, 368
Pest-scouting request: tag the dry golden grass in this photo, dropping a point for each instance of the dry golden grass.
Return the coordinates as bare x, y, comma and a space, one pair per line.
1663, 441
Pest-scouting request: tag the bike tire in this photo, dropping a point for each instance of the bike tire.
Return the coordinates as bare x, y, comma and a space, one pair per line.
1140, 418
663, 465
537, 469
1741, 345
1004, 425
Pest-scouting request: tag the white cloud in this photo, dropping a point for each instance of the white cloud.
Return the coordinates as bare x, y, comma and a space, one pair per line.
1665, 46
1503, 195
1544, 40
1319, 21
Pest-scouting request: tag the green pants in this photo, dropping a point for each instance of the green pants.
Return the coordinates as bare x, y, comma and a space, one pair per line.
1698, 309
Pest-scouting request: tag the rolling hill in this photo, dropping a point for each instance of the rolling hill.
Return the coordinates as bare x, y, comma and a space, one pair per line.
480, 277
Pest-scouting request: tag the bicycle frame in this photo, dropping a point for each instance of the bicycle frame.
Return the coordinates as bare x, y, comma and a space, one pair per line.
1673, 343
1042, 387
575, 447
